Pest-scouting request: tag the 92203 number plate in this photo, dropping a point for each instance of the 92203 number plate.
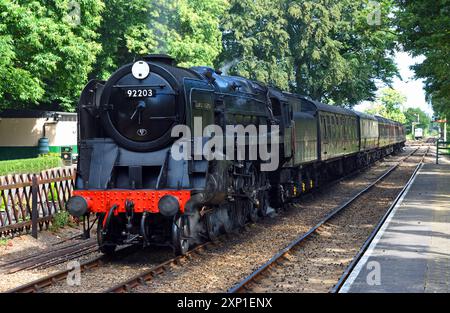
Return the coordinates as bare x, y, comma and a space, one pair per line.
139, 92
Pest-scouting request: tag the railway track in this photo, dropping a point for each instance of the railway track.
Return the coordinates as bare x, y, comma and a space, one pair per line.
336, 288
47, 281
50, 258
140, 279
143, 278
279, 259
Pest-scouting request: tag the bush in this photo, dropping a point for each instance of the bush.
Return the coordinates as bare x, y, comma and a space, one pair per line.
60, 219
52, 193
29, 166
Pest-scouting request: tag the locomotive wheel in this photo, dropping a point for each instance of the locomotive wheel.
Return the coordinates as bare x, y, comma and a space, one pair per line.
104, 246
180, 235
240, 213
277, 197
212, 227
253, 212
228, 221
263, 203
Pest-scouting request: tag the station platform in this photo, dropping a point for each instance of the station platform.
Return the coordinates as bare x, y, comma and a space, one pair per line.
411, 252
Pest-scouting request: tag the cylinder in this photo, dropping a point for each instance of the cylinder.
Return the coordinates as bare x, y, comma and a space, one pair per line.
43, 145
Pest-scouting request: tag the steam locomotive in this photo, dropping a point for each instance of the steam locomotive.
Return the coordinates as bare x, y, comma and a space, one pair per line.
128, 178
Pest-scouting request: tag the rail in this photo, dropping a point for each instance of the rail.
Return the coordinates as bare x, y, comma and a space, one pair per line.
246, 284
336, 288
44, 194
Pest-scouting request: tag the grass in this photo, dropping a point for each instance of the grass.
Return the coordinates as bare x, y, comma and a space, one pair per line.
60, 219
52, 193
29, 166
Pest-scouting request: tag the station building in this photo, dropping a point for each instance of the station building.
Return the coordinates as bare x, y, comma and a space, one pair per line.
24, 133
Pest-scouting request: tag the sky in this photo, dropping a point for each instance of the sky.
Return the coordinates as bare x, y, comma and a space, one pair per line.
409, 86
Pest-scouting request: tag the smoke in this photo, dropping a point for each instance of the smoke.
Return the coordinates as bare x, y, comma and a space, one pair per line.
227, 66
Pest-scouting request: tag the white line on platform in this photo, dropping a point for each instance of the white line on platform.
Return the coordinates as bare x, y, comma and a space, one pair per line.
355, 273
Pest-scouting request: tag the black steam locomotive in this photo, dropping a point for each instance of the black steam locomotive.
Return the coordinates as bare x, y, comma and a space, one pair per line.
141, 193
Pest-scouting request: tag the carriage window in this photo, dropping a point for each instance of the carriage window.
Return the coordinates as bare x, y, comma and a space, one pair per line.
330, 127
344, 127
328, 123
323, 126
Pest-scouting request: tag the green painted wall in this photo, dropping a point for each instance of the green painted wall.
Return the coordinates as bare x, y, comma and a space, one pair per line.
14, 153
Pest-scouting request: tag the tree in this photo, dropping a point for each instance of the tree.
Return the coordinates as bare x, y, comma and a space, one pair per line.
325, 49
415, 114
188, 30
46, 52
389, 104
124, 33
423, 25
191, 30
256, 41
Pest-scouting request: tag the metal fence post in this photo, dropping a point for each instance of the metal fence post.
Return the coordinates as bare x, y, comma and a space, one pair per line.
34, 211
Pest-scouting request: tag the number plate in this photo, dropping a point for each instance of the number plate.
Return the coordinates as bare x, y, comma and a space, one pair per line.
139, 92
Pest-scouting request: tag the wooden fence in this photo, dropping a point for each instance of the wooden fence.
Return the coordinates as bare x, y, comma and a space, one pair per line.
442, 146
50, 189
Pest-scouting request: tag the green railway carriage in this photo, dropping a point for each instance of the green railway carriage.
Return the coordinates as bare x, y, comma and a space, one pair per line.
338, 131
368, 131
386, 130
400, 133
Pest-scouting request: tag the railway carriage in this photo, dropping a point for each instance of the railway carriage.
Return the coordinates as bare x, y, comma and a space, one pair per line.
391, 135
129, 178
338, 131
368, 132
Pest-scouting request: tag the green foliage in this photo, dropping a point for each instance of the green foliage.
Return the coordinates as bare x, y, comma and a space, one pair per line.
411, 116
60, 219
424, 28
389, 105
43, 56
52, 193
192, 30
325, 49
256, 41
188, 30
2, 205
26, 166
123, 34
4, 241
330, 50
